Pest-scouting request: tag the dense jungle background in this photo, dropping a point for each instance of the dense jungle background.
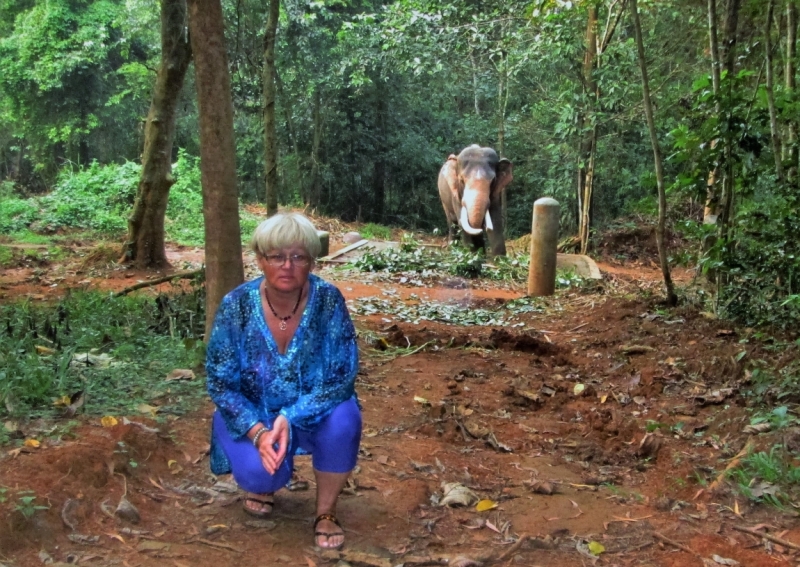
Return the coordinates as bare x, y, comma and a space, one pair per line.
370, 98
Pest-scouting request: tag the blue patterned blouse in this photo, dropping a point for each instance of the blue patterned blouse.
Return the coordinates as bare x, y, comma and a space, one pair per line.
250, 381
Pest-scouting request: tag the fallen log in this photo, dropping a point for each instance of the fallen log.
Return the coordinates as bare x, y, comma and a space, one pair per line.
150, 283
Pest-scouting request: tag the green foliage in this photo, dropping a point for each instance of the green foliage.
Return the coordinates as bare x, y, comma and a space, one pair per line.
184, 222
16, 214
372, 231
779, 418
415, 262
457, 313
769, 477
25, 504
97, 198
116, 351
64, 84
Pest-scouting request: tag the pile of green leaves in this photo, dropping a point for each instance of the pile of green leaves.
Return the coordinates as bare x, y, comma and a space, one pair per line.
414, 260
450, 313
114, 351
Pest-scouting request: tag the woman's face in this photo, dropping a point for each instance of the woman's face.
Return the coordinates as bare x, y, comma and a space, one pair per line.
289, 274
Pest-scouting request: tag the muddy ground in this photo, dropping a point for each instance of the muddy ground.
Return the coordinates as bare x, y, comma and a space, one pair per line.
598, 419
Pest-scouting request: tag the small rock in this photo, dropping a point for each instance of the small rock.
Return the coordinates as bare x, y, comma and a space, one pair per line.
351, 237
127, 511
663, 504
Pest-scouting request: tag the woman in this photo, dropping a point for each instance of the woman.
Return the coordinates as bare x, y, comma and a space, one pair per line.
281, 362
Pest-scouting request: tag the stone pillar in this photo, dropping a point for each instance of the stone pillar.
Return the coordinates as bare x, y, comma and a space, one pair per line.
325, 242
544, 247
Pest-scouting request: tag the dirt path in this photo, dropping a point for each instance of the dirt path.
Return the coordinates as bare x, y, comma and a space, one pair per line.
600, 420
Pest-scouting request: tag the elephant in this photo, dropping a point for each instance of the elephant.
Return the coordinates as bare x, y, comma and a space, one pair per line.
471, 186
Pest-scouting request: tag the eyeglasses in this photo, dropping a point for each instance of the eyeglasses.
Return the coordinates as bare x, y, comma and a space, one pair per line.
279, 260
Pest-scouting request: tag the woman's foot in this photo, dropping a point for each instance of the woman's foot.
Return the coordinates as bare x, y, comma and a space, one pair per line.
259, 505
328, 532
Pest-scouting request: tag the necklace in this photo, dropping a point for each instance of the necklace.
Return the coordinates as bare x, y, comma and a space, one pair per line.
282, 325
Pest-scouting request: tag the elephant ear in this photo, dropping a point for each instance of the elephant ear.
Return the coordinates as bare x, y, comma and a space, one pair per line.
453, 178
504, 176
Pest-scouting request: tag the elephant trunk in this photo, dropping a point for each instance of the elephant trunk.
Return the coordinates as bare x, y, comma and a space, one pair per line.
465, 226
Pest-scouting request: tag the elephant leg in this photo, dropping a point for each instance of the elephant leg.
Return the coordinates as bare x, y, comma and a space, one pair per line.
471, 242
497, 239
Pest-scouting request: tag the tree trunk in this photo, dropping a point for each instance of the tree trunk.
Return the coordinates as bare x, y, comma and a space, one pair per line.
672, 299
291, 138
475, 82
791, 69
270, 142
224, 269
145, 244
379, 163
711, 209
773, 114
502, 104
729, 59
316, 181
588, 133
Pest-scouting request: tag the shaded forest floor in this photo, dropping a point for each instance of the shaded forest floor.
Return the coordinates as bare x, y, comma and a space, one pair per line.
600, 418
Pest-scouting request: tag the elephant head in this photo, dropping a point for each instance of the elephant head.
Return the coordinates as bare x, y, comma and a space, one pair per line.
477, 179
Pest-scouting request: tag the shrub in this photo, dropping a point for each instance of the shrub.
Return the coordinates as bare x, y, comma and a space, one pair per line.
16, 214
98, 198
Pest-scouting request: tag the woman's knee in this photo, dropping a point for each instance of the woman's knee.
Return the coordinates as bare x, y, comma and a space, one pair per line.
345, 423
251, 476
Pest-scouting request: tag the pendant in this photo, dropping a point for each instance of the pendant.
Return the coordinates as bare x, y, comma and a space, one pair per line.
282, 326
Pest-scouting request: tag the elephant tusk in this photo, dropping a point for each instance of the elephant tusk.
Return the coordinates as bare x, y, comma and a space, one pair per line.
488, 221
464, 221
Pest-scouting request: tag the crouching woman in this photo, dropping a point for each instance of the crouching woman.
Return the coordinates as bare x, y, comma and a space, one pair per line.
281, 363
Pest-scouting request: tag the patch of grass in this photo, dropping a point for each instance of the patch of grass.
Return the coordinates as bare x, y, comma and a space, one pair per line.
117, 351
778, 418
372, 231
771, 478
28, 237
6, 256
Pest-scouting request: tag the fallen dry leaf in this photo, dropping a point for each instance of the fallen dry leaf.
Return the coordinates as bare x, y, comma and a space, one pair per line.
485, 505
456, 494
542, 487
108, 421
180, 374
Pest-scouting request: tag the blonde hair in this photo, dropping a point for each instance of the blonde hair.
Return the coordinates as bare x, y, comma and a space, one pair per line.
283, 230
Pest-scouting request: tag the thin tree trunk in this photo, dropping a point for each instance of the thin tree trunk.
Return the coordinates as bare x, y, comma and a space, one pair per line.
379, 163
711, 209
729, 59
672, 299
502, 101
270, 142
773, 115
791, 69
588, 134
224, 269
145, 243
291, 135
474, 83
316, 142
588, 191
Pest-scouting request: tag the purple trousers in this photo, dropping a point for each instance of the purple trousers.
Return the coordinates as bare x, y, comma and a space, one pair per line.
333, 445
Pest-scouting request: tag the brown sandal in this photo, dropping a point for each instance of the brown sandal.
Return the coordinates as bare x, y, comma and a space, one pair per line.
268, 500
328, 535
